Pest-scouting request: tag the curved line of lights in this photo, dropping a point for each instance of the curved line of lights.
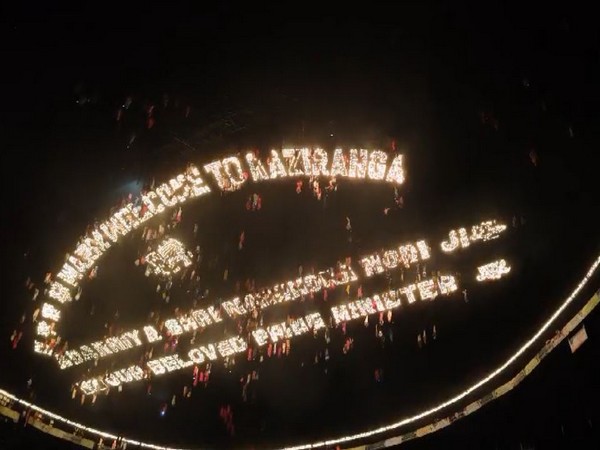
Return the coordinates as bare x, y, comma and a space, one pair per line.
365, 434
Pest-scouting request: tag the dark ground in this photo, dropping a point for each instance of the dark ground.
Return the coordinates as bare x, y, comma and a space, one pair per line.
419, 76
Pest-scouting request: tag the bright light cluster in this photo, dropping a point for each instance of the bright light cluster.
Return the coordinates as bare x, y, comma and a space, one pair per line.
42, 348
100, 349
486, 231
396, 171
229, 173
427, 290
338, 165
493, 270
132, 373
460, 238
45, 329
169, 258
404, 255
59, 292
276, 167
257, 168
295, 157
49, 311
69, 275
358, 163
128, 218
377, 165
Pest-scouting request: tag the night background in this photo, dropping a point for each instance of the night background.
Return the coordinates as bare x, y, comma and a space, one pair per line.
471, 94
